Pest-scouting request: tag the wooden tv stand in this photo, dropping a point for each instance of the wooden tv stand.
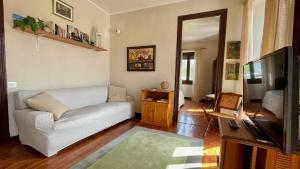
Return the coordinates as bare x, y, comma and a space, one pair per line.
240, 149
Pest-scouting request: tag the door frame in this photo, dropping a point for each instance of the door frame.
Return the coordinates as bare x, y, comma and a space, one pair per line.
4, 126
221, 51
296, 33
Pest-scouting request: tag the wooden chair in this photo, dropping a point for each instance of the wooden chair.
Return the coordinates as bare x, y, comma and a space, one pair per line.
229, 101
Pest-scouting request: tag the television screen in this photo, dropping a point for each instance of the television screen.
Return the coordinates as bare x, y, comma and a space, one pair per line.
267, 91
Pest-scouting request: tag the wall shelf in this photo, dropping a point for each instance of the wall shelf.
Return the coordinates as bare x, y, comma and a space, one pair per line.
62, 39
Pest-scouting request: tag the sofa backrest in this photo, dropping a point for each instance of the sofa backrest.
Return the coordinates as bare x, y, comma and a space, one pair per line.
73, 97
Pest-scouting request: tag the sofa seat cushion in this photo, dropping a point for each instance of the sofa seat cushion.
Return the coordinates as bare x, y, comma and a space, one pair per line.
92, 114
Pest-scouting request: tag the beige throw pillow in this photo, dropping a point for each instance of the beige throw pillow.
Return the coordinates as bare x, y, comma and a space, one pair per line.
45, 102
117, 94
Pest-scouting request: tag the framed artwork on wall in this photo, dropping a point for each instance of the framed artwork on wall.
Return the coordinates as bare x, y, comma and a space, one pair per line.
141, 58
233, 50
63, 10
232, 71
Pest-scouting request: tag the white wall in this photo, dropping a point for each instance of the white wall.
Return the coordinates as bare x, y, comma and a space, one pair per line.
158, 26
187, 90
206, 65
54, 64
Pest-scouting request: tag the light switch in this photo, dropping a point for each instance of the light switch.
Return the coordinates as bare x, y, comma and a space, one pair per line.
12, 85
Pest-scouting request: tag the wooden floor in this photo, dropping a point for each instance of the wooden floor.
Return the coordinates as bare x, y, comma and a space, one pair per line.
191, 123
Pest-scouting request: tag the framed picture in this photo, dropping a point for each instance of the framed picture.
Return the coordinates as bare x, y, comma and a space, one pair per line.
48, 26
141, 58
59, 31
233, 49
232, 71
85, 38
63, 10
73, 33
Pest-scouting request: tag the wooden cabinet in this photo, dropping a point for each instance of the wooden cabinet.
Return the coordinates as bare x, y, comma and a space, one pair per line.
240, 149
157, 107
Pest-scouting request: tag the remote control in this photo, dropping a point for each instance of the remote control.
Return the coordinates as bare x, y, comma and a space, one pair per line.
233, 124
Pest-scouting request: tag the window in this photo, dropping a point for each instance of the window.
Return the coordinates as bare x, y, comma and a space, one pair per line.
253, 73
188, 68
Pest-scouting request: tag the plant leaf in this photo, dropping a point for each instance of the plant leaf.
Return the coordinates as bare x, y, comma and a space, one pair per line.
17, 23
34, 27
23, 27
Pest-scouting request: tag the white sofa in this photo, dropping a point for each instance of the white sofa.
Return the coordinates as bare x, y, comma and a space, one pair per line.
89, 113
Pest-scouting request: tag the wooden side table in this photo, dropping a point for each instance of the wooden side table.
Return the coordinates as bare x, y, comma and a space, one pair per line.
157, 107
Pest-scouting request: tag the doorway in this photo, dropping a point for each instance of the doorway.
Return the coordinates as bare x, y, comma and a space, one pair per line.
198, 73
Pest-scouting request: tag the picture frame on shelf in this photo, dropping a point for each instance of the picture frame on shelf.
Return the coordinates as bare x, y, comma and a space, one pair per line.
59, 31
48, 26
141, 58
85, 38
73, 33
232, 71
62, 10
70, 29
233, 50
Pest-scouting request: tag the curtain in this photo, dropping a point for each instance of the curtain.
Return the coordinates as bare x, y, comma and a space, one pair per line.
246, 40
197, 79
247, 32
278, 25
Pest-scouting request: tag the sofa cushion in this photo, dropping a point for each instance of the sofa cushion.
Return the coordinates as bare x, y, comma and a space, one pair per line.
117, 94
47, 103
98, 113
73, 98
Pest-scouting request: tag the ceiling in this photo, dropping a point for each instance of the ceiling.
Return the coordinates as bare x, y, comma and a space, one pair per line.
203, 29
117, 6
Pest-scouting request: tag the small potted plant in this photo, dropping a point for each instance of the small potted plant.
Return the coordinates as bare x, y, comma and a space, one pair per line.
29, 22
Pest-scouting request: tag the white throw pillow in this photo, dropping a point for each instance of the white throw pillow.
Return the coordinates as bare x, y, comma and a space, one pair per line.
45, 102
117, 94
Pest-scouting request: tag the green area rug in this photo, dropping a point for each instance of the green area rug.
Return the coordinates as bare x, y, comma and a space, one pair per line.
142, 148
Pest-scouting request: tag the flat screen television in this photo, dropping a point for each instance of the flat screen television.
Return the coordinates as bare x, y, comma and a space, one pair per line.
271, 94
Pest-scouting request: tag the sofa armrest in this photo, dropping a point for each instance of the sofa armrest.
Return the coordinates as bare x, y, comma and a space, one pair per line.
43, 121
132, 102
